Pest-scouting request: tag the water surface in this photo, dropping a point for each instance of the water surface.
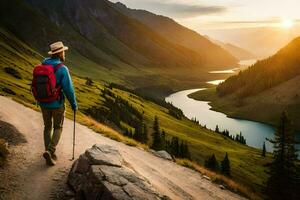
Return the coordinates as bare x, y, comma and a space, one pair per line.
242, 65
254, 132
215, 82
247, 62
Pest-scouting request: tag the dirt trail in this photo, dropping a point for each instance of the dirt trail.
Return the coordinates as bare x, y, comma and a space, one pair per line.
29, 177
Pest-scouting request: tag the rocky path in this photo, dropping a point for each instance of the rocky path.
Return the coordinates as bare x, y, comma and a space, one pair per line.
27, 176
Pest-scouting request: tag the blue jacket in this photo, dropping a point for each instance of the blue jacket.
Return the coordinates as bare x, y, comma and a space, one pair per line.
63, 78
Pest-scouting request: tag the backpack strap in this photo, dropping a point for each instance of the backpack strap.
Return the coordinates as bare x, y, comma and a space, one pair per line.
56, 67
58, 86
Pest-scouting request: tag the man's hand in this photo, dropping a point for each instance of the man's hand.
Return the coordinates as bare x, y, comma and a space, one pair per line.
74, 107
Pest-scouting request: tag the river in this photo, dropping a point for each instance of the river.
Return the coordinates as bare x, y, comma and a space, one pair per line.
254, 132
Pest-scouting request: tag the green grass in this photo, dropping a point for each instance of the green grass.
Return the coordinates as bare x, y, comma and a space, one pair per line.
246, 162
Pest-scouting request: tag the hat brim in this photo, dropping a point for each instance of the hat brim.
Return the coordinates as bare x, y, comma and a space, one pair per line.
58, 51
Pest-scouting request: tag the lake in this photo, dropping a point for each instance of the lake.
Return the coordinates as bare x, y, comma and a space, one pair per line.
254, 132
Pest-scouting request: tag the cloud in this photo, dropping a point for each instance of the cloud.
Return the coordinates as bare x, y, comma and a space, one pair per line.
187, 10
271, 20
180, 9
268, 21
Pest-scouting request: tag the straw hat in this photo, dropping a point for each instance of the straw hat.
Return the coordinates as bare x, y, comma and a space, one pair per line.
57, 47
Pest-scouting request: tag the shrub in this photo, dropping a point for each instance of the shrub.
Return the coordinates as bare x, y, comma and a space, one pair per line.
13, 72
3, 151
8, 91
212, 163
89, 81
231, 184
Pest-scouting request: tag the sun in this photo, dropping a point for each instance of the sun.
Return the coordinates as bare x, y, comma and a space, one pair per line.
287, 23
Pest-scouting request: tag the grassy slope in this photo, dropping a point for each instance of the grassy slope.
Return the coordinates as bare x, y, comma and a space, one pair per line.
202, 142
247, 164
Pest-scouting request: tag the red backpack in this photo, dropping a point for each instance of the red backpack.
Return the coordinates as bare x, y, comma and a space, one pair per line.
44, 86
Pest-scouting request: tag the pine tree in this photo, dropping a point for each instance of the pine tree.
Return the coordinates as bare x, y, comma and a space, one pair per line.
181, 153
264, 150
217, 130
144, 138
212, 163
138, 133
225, 165
175, 148
283, 182
156, 142
187, 153
163, 140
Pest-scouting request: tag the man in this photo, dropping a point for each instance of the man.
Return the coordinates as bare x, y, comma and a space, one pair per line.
55, 110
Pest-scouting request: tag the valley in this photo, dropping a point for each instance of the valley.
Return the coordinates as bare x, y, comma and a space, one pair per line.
147, 81
201, 141
272, 88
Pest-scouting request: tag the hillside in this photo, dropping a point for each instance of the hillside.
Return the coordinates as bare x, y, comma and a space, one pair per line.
16, 63
108, 45
238, 52
180, 35
262, 91
265, 74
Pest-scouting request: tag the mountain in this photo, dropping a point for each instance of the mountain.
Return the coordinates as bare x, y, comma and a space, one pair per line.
263, 91
265, 74
180, 35
264, 41
108, 44
238, 52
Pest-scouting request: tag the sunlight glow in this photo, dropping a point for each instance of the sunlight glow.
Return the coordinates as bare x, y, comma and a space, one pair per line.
287, 23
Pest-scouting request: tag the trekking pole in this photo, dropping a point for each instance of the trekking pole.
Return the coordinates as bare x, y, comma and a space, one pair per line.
74, 135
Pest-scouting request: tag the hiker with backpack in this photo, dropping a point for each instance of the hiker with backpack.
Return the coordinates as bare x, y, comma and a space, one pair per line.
50, 85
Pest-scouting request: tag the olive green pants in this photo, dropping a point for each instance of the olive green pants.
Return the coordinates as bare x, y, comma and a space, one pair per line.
53, 119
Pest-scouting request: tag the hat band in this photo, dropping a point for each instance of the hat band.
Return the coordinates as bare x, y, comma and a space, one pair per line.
57, 49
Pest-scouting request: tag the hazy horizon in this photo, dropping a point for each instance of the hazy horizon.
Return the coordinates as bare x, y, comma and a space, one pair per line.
223, 14
247, 24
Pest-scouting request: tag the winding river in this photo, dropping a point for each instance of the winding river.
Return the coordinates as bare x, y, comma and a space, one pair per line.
254, 132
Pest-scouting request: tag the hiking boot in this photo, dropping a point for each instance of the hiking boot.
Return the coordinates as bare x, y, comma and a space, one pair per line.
49, 160
54, 156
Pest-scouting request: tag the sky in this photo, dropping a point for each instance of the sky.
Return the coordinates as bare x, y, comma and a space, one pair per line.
223, 14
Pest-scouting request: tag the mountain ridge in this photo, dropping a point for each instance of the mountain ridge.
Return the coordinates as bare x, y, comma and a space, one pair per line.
175, 32
101, 36
238, 52
265, 74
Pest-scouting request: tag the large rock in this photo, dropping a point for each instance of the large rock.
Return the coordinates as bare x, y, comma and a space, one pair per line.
162, 154
104, 155
100, 174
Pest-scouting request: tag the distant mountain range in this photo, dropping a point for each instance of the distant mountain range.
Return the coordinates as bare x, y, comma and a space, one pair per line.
111, 42
263, 41
238, 52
